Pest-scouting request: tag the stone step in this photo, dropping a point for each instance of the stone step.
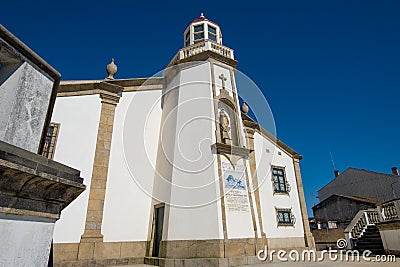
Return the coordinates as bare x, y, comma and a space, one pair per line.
369, 241
371, 234
133, 265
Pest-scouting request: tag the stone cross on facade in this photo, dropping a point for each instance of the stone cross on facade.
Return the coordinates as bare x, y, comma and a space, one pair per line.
223, 79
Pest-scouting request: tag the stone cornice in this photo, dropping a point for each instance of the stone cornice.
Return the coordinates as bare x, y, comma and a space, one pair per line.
231, 150
33, 183
134, 82
209, 54
89, 87
108, 87
250, 132
251, 125
29, 213
109, 93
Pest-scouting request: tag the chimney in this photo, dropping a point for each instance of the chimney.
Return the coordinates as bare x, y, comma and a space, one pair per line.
337, 173
395, 171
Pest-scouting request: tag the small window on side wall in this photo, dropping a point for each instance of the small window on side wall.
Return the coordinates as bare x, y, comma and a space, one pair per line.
51, 140
280, 183
285, 217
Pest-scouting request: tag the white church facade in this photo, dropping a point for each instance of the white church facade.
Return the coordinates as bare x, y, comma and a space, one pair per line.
176, 171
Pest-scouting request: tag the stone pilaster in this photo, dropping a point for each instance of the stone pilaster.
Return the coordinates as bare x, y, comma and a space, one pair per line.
253, 172
92, 236
309, 239
222, 194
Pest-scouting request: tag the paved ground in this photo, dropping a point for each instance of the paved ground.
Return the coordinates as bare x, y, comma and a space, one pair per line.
312, 264
325, 263
328, 263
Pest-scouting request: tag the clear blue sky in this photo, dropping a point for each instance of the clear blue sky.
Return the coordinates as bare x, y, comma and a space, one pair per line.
330, 70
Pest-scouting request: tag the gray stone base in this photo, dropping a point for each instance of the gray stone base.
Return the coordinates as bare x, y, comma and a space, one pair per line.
162, 262
99, 263
209, 262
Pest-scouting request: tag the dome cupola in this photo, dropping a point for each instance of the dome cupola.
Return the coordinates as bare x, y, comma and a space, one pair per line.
203, 36
202, 29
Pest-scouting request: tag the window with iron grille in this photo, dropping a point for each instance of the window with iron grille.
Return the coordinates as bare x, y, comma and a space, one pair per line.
279, 179
51, 140
285, 217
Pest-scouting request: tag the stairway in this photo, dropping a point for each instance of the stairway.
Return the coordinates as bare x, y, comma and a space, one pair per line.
371, 240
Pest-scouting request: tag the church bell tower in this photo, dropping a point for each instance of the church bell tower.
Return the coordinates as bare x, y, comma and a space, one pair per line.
203, 206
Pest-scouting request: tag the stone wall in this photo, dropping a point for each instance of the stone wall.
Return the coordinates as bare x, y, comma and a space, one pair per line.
25, 240
214, 248
102, 253
24, 124
325, 238
28, 86
390, 234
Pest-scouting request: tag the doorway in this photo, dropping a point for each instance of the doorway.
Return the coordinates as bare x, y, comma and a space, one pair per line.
158, 227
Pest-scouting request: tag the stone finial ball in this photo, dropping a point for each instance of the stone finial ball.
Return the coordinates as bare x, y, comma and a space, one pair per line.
245, 108
111, 70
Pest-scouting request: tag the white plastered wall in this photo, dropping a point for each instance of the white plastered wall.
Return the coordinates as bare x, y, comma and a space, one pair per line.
194, 176
25, 241
131, 169
79, 118
267, 155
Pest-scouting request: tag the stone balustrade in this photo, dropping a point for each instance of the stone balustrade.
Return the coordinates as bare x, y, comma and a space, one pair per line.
390, 210
200, 47
361, 221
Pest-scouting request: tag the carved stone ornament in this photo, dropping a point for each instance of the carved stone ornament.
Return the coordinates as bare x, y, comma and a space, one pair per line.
111, 70
245, 108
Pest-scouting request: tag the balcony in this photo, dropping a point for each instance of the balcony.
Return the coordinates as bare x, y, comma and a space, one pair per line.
201, 47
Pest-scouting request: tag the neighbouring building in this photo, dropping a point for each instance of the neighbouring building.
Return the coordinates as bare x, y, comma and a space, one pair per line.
389, 226
177, 172
33, 189
333, 215
363, 183
337, 211
363, 206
